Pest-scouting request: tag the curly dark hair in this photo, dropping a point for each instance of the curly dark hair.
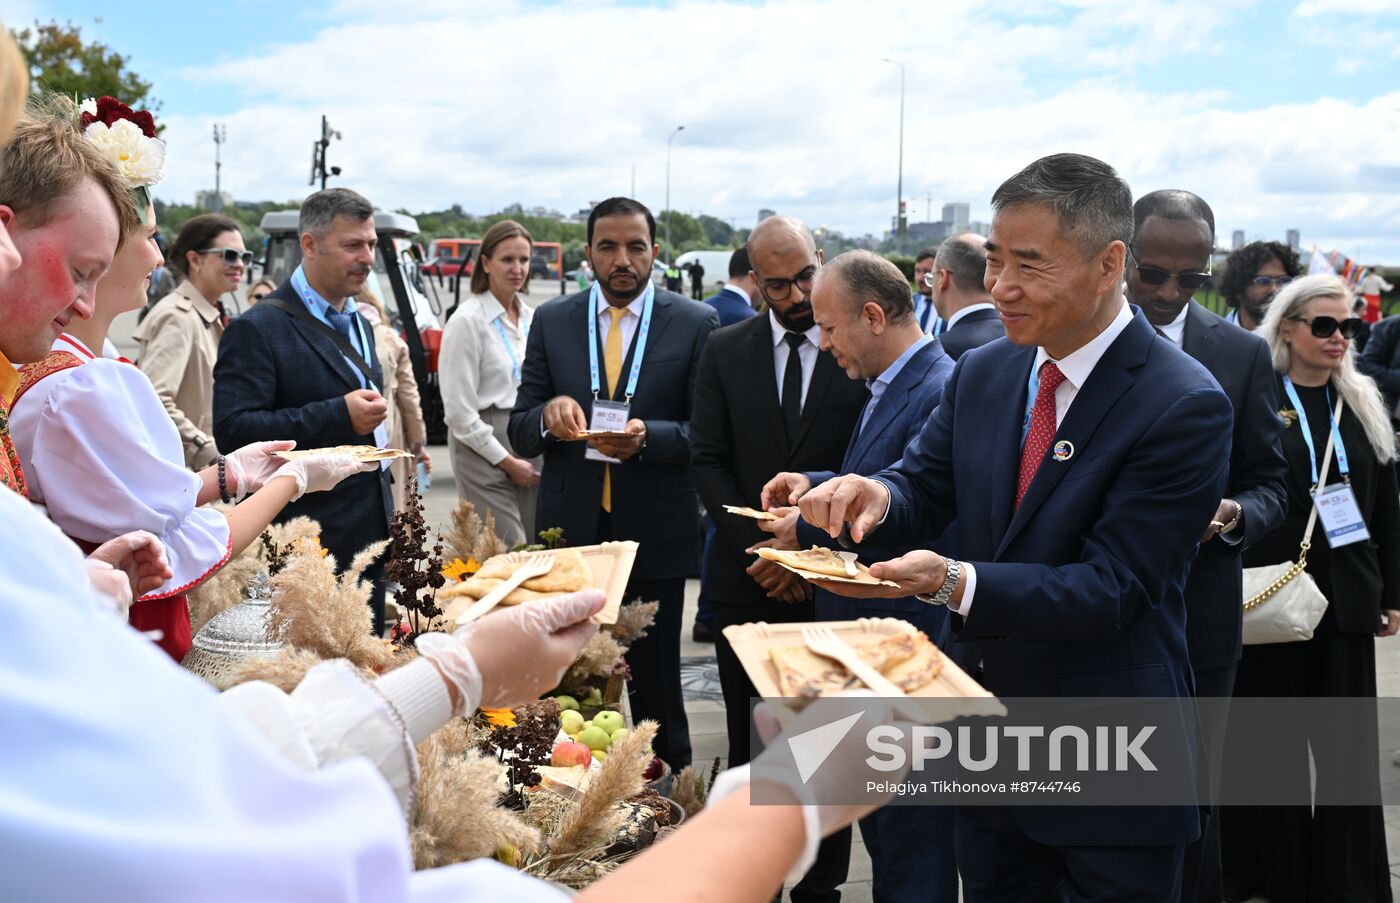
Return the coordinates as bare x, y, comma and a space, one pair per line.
1241, 266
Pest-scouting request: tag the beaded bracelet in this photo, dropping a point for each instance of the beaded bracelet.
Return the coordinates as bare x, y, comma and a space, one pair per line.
223, 481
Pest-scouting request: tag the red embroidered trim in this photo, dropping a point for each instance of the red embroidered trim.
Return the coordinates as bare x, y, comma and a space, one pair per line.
228, 553
11, 473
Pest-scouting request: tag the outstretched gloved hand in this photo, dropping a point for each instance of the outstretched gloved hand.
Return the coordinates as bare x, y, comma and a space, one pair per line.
253, 465
511, 656
322, 472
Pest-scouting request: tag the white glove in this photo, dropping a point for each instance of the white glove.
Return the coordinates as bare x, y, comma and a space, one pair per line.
322, 472
111, 584
512, 656
253, 465
773, 776
138, 557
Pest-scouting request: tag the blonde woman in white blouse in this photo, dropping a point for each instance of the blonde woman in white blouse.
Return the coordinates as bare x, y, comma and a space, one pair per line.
483, 348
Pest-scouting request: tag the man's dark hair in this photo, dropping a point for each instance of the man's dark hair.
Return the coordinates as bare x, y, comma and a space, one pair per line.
620, 207
866, 276
319, 210
1243, 265
926, 253
197, 234
966, 260
1173, 203
1093, 204
739, 264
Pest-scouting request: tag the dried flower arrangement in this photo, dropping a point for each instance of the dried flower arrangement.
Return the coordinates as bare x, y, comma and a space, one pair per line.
692, 788
414, 566
229, 586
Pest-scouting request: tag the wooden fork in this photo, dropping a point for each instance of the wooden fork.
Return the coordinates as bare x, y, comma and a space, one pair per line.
534, 566
824, 642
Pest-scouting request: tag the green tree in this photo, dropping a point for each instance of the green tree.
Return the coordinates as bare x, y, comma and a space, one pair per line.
60, 61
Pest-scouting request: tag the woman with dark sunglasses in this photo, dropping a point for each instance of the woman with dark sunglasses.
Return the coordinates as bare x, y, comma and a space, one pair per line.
179, 338
1324, 852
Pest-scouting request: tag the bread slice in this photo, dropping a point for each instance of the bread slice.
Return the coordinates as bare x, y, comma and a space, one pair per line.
909, 659
816, 560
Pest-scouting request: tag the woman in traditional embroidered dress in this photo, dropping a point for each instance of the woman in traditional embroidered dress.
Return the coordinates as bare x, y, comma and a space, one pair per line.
103, 457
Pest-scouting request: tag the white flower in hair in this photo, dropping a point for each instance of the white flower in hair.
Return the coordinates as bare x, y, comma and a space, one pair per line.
141, 160
89, 106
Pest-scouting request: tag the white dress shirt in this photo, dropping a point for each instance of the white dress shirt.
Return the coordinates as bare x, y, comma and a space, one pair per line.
163, 788
1175, 331
740, 292
476, 372
1078, 364
953, 320
629, 323
806, 353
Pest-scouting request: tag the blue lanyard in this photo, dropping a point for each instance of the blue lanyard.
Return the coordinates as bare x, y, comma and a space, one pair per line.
1032, 390
510, 352
1308, 438
310, 297
595, 300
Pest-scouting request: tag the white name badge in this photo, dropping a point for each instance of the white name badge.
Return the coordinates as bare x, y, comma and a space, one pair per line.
1341, 518
608, 416
381, 439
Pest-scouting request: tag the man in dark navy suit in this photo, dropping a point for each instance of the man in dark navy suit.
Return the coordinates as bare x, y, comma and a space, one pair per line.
1173, 236
960, 296
1081, 462
861, 303
282, 374
646, 344
924, 310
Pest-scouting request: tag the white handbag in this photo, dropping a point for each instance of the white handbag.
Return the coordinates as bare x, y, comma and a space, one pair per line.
1282, 603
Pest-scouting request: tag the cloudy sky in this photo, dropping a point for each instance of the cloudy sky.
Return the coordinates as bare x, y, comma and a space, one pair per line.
1281, 114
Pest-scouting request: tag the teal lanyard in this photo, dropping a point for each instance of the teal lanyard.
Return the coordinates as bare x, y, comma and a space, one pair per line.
595, 299
1308, 437
510, 352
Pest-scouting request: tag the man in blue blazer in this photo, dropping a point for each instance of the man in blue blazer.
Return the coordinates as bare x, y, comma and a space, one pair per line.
1081, 461
960, 295
282, 375
1173, 236
734, 302
647, 344
861, 302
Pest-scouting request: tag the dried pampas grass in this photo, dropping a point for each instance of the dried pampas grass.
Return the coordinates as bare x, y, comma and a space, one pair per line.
596, 660
458, 817
469, 537
229, 586
329, 616
284, 672
592, 825
633, 621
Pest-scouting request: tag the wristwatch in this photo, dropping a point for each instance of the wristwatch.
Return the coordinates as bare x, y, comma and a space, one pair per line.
1233, 522
950, 586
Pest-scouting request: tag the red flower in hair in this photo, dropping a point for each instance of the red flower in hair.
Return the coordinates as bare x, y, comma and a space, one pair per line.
110, 110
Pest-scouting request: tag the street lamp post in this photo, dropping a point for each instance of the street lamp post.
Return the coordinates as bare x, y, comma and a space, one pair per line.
899, 190
679, 129
220, 136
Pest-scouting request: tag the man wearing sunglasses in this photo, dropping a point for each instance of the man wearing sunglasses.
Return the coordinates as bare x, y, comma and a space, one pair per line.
1253, 275
1168, 260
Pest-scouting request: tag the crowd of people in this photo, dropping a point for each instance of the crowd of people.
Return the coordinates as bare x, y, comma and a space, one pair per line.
1059, 461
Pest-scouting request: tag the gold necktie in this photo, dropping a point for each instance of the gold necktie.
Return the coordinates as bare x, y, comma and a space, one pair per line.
612, 367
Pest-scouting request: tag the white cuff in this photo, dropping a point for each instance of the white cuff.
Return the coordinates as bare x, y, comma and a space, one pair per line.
417, 692
889, 501
969, 579
732, 780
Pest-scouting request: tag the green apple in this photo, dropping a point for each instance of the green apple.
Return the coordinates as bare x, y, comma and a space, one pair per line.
594, 737
571, 720
609, 720
600, 754
617, 735
567, 703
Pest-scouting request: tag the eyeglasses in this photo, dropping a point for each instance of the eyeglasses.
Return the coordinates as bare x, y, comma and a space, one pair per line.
1323, 327
928, 279
781, 289
231, 255
1190, 281
1279, 281
258, 296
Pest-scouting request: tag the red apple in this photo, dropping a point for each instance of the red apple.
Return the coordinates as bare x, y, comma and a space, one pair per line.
654, 769
570, 753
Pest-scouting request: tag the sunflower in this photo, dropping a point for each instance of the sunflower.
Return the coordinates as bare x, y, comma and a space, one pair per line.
460, 570
499, 717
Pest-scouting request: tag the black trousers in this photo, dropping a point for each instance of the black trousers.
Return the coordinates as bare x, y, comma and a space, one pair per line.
1200, 876
1292, 854
375, 575
834, 855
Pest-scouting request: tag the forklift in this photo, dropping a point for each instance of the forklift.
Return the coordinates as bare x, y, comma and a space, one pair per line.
415, 311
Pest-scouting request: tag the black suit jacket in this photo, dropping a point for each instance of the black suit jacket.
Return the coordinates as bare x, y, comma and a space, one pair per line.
653, 498
1380, 360
279, 378
976, 329
739, 441
1240, 362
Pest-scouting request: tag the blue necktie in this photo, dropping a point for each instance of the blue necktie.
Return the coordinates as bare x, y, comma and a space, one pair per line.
923, 318
340, 320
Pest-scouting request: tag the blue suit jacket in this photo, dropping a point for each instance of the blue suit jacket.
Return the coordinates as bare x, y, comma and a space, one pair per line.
731, 306
901, 414
653, 496
1079, 590
278, 378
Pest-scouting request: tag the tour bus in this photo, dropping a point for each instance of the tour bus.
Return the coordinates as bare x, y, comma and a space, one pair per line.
453, 256
411, 301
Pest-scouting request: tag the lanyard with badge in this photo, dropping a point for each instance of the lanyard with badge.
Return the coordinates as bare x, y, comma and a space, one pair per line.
510, 351
608, 415
1336, 504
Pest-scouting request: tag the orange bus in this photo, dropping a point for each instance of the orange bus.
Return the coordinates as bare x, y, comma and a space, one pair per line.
451, 256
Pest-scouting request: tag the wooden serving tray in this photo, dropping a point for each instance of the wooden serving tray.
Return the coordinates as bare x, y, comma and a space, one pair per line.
751, 643
611, 566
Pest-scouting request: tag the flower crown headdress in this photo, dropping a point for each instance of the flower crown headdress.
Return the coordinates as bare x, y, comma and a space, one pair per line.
128, 139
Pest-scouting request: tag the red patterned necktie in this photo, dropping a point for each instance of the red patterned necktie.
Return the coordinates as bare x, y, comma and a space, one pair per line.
1042, 428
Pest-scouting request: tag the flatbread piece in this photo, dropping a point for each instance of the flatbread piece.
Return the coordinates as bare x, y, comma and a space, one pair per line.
754, 513
910, 660
365, 454
817, 560
569, 574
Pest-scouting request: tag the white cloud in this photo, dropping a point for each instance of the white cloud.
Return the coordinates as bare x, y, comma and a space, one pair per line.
786, 105
1309, 8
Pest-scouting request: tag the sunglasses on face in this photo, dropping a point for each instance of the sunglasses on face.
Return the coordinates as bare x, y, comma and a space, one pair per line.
1279, 281
257, 296
231, 256
1323, 327
1158, 276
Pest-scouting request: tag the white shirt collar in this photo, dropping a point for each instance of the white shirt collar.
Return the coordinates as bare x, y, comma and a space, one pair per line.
634, 308
982, 305
492, 307
779, 331
1078, 364
740, 292
1176, 329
